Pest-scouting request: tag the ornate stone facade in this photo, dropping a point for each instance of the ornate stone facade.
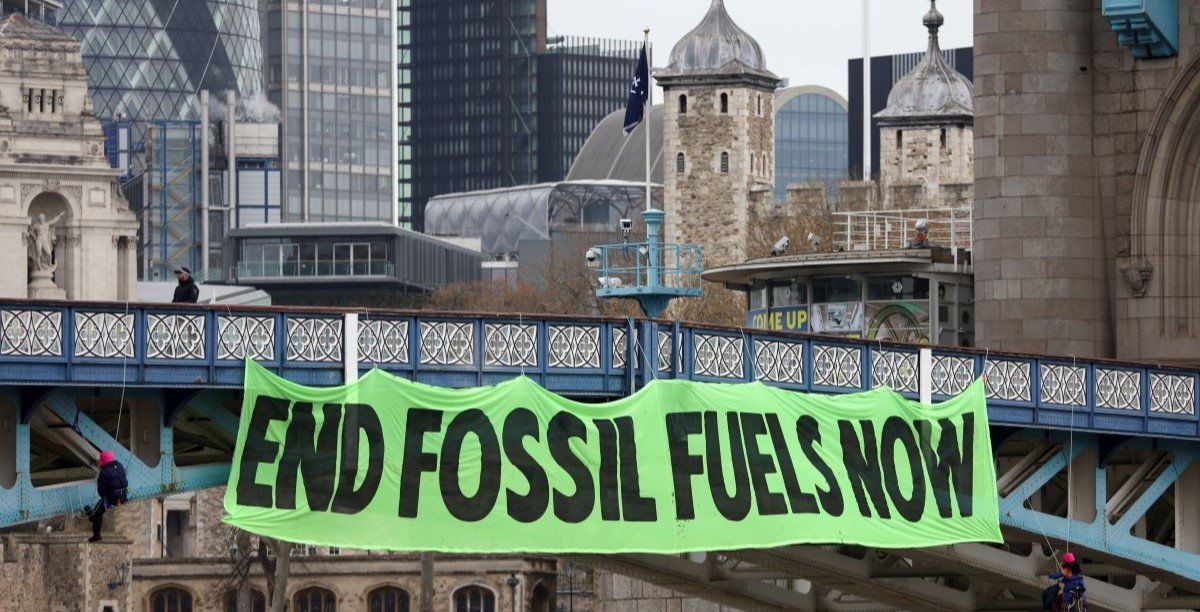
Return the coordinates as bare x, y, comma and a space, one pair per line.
52, 164
1086, 224
718, 136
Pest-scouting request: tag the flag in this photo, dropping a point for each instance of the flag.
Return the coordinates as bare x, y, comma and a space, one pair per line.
639, 93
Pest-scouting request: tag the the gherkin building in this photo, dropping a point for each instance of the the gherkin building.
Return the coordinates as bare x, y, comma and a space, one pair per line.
147, 59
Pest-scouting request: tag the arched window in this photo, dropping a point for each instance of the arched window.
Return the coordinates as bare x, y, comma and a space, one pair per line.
682, 104
258, 601
680, 164
899, 138
315, 599
724, 161
943, 138
724, 104
171, 599
388, 599
751, 163
760, 105
474, 599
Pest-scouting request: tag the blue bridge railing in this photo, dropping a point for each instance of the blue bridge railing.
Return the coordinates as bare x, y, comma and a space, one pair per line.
198, 346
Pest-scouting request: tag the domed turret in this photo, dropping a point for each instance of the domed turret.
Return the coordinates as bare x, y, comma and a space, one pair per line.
717, 47
934, 92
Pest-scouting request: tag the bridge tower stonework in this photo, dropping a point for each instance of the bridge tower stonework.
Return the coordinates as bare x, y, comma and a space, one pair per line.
718, 135
1086, 184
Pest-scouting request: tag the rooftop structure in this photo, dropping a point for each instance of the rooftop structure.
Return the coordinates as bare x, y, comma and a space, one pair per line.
933, 92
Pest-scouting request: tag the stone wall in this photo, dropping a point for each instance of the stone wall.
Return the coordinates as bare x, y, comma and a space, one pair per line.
808, 199
706, 204
60, 572
620, 593
924, 158
1063, 115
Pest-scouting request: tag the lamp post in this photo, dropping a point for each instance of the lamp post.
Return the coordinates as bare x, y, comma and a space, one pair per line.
513, 581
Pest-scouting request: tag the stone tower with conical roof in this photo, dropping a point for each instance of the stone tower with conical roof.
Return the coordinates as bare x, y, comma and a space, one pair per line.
718, 135
926, 135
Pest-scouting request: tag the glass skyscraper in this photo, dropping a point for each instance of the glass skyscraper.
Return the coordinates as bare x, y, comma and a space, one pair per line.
811, 138
147, 59
473, 65
580, 81
332, 71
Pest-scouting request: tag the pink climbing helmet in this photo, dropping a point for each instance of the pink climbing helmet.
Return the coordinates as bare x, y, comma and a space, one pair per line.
1067, 558
106, 457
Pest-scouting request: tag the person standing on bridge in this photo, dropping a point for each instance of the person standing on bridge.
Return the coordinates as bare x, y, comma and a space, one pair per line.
187, 292
112, 486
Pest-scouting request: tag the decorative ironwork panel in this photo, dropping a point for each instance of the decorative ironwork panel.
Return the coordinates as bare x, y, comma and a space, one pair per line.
510, 344
895, 370
31, 333
175, 336
951, 375
620, 346
837, 366
666, 358
383, 341
1008, 380
104, 334
575, 346
314, 339
1118, 389
1172, 394
719, 356
447, 343
781, 362
241, 337
1063, 384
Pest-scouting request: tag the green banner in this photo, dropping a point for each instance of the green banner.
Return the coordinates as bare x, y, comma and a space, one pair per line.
386, 463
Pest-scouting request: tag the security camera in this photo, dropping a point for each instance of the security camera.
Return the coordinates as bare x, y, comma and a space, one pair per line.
781, 247
814, 241
591, 255
626, 225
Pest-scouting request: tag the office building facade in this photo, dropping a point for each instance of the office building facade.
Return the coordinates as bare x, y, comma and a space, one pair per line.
146, 59
331, 69
580, 81
810, 138
473, 65
886, 71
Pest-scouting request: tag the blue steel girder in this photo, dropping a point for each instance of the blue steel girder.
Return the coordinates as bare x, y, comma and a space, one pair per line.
24, 502
1101, 534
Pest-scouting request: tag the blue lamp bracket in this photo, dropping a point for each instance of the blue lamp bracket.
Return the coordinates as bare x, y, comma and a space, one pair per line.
1150, 28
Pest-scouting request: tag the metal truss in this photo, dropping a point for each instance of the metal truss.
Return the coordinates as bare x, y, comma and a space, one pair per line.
149, 458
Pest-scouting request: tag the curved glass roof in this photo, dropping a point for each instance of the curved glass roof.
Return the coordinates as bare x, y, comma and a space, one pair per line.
501, 218
610, 154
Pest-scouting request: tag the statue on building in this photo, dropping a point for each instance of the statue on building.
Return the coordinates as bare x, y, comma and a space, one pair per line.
41, 244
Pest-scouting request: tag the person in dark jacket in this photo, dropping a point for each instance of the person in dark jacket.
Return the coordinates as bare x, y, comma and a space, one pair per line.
187, 292
1067, 593
112, 486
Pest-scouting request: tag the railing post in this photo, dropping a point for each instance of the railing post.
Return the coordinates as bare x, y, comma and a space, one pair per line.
350, 347
925, 384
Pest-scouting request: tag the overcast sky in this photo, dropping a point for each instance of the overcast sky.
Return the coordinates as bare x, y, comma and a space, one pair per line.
805, 41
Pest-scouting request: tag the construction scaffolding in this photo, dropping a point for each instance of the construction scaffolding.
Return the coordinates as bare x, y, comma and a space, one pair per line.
170, 212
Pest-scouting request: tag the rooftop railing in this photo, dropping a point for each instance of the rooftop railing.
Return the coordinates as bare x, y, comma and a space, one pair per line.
886, 230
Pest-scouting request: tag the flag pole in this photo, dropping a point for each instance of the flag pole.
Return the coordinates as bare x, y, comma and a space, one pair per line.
649, 109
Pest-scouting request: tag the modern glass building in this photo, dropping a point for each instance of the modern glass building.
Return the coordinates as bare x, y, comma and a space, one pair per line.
580, 81
331, 69
146, 59
473, 66
811, 141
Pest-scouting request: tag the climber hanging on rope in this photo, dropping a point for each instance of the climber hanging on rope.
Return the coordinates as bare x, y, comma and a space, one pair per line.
112, 486
1067, 594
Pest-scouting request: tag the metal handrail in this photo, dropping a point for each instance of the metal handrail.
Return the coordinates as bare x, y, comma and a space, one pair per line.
314, 268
